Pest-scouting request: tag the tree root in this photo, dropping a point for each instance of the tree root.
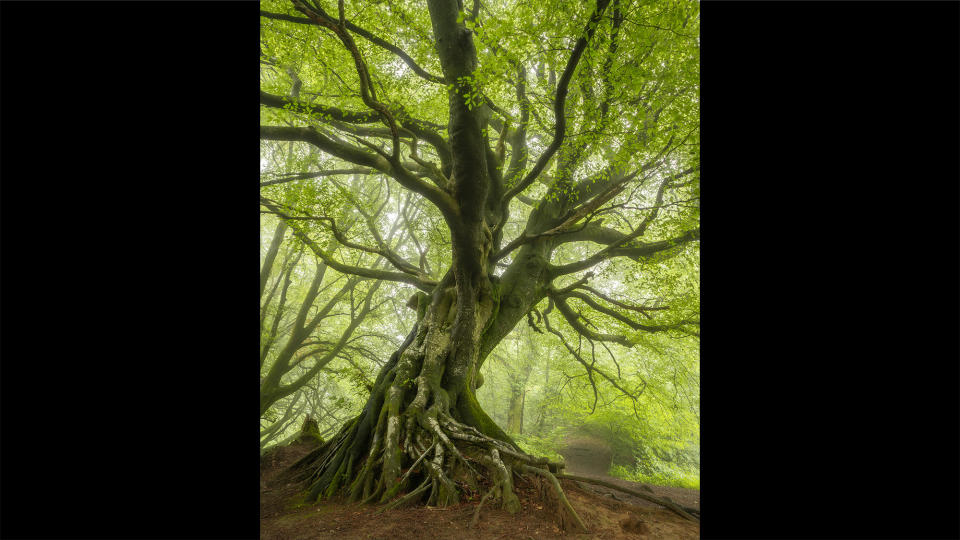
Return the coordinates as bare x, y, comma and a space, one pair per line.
417, 462
411, 497
668, 504
476, 513
559, 492
505, 481
367, 460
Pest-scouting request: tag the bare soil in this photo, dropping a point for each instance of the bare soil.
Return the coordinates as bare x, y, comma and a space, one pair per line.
608, 514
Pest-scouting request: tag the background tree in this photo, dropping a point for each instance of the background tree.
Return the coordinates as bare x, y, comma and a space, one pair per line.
551, 152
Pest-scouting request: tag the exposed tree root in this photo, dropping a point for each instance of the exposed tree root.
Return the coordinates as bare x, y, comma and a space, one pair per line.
411, 497
445, 457
668, 504
423, 438
559, 492
476, 513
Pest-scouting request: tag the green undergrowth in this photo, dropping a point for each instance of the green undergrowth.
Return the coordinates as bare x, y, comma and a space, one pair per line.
540, 446
664, 475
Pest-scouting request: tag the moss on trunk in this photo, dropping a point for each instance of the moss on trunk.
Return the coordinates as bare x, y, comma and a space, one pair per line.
419, 437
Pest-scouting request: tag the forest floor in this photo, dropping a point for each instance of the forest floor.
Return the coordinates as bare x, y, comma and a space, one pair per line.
608, 514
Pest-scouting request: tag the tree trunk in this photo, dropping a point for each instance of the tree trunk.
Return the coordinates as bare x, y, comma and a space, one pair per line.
422, 431
515, 410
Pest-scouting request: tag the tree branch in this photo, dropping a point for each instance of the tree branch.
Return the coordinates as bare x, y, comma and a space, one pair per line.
305, 176
591, 368
382, 250
319, 111
644, 250
640, 309
271, 255
441, 199
421, 283
407, 59
626, 320
320, 363
560, 120
573, 320
367, 92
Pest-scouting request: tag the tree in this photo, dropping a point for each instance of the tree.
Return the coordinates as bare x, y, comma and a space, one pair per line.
517, 369
594, 173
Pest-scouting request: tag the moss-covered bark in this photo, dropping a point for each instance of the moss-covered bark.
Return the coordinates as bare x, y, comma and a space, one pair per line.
422, 435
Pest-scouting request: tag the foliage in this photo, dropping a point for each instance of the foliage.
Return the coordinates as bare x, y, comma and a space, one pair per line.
656, 443
547, 446
665, 474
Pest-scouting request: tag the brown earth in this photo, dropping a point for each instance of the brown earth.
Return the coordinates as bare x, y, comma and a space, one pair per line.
616, 517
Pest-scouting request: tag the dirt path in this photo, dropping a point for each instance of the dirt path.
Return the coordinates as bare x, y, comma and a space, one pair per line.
590, 457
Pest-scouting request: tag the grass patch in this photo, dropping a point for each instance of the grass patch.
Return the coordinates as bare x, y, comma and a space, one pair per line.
665, 476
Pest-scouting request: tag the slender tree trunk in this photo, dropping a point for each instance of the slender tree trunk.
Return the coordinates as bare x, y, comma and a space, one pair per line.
271, 255
542, 406
515, 410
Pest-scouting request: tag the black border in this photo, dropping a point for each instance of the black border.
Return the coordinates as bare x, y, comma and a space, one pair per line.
830, 269
127, 132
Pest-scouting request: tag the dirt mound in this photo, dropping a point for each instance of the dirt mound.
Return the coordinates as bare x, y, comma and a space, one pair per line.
633, 524
282, 517
275, 493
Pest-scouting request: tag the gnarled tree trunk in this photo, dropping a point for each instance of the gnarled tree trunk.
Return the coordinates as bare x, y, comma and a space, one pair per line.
422, 415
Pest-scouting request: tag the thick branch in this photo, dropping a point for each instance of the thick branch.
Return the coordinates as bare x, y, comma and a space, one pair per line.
426, 131
566, 227
644, 250
320, 111
640, 309
334, 148
573, 320
626, 320
366, 34
593, 232
360, 157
